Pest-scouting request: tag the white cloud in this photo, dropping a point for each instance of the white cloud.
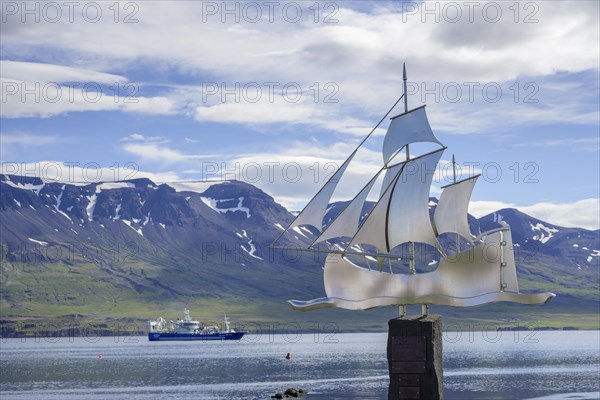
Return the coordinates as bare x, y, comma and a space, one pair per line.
161, 154
581, 144
22, 99
579, 214
44, 73
133, 136
362, 54
138, 137
13, 143
25, 139
564, 39
58, 171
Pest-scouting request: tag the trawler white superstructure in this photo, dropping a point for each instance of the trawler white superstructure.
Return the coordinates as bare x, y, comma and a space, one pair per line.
188, 329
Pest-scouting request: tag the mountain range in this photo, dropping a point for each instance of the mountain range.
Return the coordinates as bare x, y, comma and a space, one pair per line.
135, 249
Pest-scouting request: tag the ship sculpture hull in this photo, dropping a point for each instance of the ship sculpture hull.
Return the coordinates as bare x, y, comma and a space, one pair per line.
483, 274
172, 336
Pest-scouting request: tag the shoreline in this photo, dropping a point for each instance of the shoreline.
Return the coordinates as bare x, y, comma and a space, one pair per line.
85, 325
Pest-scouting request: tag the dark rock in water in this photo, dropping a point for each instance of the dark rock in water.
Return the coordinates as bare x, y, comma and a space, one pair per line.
290, 393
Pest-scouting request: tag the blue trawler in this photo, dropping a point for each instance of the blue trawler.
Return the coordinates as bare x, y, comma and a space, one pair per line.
187, 329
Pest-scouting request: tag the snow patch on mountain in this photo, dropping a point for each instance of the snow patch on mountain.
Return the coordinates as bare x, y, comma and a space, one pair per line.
89, 209
113, 185
214, 204
305, 229
329, 208
358, 248
298, 231
546, 233
498, 218
117, 211
198, 187
26, 186
58, 201
38, 242
128, 223
251, 250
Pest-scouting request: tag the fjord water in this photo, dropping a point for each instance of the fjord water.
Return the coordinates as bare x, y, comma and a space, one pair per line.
477, 365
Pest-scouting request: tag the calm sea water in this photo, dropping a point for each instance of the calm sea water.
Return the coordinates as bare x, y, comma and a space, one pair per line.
513, 365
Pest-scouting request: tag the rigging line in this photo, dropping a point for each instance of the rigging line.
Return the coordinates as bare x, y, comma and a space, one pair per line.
349, 157
340, 252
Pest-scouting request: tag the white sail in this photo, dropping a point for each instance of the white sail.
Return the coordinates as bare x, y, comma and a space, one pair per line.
410, 127
451, 211
347, 222
372, 231
390, 174
402, 213
315, 210
408, 216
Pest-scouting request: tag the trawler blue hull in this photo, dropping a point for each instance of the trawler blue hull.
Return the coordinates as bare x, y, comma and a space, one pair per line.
171, 336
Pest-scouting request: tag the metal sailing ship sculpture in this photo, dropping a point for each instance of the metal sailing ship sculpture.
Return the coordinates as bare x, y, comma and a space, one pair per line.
483, 272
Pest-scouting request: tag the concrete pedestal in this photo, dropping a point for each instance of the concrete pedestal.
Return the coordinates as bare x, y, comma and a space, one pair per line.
414, 353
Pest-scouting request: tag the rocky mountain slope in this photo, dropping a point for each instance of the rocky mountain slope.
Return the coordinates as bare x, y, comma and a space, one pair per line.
136, 248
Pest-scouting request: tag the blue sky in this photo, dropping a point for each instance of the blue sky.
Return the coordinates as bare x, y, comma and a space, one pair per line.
183, 91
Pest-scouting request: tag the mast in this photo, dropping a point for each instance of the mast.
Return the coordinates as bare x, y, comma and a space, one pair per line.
226, 322
404, 79
453, 169
411, 248
454, 181
405, 102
